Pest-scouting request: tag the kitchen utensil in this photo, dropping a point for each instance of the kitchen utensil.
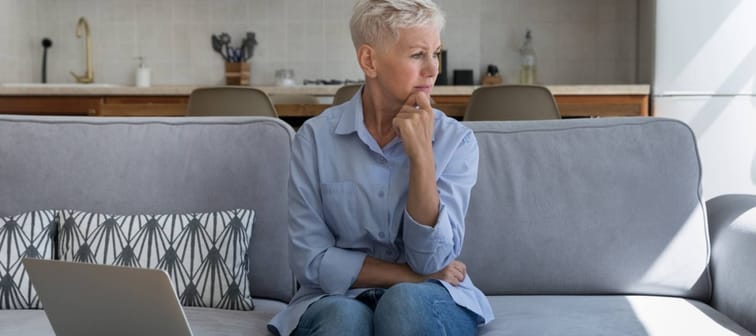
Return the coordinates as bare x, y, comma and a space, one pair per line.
225, 41
242, 52
231, 53
248, 44
46, 43
234, 54
217, 46
222, 44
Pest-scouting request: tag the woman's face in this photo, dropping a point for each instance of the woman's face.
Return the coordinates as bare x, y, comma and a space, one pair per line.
410, 64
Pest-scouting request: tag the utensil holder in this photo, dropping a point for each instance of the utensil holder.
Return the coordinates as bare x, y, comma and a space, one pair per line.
237, 73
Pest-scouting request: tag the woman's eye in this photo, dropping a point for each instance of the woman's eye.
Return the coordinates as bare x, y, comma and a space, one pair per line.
417, 56
437, 54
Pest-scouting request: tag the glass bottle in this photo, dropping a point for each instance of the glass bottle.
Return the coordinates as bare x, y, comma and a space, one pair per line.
528, 61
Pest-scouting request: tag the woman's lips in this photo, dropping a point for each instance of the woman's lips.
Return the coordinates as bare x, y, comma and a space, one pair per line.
426, 89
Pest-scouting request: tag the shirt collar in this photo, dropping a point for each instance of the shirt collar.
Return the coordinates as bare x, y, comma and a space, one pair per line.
351, 119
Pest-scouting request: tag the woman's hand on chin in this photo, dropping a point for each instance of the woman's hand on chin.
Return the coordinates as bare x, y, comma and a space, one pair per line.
414, 126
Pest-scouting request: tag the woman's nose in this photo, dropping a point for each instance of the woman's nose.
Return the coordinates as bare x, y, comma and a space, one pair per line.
430, 67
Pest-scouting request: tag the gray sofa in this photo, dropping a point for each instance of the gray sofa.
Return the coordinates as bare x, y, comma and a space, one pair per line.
575, 227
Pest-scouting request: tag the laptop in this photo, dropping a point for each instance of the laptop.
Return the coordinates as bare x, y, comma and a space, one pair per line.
87, 299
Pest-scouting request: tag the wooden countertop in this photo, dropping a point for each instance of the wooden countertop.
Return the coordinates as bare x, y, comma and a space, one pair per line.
315, 90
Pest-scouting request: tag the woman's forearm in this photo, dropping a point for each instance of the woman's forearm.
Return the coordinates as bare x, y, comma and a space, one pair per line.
422, 197
376, 273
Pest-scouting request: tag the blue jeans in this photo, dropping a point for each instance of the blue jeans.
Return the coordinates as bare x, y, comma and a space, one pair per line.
404, 309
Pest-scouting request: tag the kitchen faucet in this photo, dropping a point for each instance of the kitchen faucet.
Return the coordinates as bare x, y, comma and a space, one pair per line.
82, 25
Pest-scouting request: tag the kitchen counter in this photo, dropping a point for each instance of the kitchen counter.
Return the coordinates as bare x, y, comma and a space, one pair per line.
315, 90
171, 100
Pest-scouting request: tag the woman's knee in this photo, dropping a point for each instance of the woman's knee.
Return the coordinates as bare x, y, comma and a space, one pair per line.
336, 315
421, 309
407, 309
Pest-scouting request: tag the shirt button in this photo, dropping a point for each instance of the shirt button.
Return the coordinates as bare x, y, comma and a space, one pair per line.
381, 235
382, 159
380, 194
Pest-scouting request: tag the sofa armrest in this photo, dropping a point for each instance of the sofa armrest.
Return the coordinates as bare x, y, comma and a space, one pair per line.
732, 227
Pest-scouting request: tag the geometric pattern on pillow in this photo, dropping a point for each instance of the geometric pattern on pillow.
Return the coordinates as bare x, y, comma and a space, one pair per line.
204, 254
31, 235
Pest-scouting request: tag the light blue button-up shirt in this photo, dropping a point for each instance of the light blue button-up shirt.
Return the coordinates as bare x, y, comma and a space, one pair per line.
347, 200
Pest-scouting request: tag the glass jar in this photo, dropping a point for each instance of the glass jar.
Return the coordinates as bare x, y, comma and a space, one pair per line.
285, 77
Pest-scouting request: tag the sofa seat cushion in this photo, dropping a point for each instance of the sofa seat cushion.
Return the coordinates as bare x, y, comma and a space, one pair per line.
203, 321
545, 315
222, 322
27, 322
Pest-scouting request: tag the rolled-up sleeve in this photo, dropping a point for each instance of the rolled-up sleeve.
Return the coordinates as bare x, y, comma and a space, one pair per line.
313, 256
430, 249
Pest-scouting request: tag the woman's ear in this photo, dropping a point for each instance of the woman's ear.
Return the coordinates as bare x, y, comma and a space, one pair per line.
366, 57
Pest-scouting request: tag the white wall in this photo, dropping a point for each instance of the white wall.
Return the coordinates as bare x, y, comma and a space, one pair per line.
17, 26
577, 41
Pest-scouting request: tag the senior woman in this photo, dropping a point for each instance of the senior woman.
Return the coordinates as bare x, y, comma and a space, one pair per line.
378, 193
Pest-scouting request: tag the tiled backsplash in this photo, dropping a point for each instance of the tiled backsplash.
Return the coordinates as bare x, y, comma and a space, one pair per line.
576, 41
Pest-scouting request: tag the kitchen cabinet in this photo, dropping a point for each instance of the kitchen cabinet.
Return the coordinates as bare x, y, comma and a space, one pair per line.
50, 105
95, 106
573, 101
570, 106
144, 106
603, 105
454, 106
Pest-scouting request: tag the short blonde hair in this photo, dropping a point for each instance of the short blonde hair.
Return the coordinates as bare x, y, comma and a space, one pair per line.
374, 21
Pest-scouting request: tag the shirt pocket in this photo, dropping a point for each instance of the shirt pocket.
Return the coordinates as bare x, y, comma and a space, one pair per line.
341, 210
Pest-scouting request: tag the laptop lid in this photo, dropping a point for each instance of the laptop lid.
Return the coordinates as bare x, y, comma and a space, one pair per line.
88, 299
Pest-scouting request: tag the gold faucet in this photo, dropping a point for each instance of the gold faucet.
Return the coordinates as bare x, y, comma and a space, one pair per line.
82, 25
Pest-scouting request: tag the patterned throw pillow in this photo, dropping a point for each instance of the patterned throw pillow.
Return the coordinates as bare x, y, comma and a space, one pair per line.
31, 235
205, 254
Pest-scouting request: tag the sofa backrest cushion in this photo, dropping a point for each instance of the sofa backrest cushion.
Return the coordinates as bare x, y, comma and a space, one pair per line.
136, 165
590, 206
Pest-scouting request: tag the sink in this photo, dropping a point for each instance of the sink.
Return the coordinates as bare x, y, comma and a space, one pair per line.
60, 85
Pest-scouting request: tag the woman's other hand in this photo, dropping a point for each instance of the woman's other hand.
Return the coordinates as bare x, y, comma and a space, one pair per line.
454, 273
